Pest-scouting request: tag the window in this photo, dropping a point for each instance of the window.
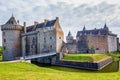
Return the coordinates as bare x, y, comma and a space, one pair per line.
4, 47
50, 46
59, 37
97, 48
4, 40
3, 33
44, 38
50, 37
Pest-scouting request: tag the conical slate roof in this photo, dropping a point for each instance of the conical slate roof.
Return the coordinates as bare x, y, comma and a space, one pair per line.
69, 34
84, 28
105, 26
12, 21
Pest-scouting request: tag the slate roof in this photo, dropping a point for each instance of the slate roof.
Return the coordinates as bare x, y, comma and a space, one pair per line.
41, 25
12, 21
69, 34
102, 31
95, 32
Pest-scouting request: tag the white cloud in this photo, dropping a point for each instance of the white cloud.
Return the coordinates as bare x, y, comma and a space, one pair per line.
74, 14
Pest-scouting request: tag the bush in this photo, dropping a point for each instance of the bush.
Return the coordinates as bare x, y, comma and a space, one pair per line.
0, 50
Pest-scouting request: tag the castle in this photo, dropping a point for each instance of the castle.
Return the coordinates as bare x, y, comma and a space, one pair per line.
18, 40
39, 38
92, 41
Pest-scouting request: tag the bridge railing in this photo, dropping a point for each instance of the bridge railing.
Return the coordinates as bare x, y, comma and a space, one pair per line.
37, 55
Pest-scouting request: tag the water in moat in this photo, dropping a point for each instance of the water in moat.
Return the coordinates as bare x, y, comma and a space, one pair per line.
113, 67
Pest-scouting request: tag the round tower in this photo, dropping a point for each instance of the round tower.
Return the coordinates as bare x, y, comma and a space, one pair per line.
11, 40
69, 38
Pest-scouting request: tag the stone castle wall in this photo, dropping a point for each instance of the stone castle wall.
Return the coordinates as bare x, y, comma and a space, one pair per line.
59, 36
72, 48
11, 44
95, 43
82, 44
112, 43
98, 43
47, 40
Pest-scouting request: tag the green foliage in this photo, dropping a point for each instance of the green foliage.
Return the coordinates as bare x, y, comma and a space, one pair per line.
0, 50
85, 57
0, 53
26, 71
115, 56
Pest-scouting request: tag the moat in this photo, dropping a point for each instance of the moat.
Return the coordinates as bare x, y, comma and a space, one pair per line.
113, 67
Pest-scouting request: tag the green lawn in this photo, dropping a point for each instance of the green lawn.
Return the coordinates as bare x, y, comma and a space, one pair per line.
27, 71
85, 57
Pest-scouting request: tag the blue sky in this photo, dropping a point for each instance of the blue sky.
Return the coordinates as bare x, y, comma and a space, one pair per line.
73, 14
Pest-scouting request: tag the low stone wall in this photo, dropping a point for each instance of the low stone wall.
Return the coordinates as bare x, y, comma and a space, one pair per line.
85, 65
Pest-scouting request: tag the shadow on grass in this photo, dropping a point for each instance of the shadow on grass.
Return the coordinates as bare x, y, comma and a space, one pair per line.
113, 67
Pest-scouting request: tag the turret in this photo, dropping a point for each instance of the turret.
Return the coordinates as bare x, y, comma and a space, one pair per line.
105, 27
84, 30
11, 40
69, 38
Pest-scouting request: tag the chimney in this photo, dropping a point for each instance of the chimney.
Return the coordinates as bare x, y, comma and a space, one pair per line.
24, 27
18, 21
35, 23
45, 21
57, 18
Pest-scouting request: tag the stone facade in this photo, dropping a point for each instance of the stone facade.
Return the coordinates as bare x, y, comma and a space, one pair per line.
112, 43
36, 39
92, 41
11, 39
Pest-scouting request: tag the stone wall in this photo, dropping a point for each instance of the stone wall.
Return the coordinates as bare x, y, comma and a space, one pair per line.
112, 43
82, 44
11, 44
29, 43
118, 44
71, 47
98, 43
83, 65
59, 36
47, 40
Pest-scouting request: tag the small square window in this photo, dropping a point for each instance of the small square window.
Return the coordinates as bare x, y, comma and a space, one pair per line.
50, 46
3, 33
4, 40
4, 48
44, 38
59, 37
50, 37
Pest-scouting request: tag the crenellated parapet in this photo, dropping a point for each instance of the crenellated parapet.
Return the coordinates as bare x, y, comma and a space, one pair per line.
11, 27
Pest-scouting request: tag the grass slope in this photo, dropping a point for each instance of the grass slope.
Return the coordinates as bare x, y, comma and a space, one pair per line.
115, 55
85, 57
26, 71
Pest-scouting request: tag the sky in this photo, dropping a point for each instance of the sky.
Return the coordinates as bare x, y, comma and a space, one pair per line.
73, 14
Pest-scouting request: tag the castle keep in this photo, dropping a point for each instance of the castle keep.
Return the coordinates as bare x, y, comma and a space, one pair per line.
46, 37
92, 41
